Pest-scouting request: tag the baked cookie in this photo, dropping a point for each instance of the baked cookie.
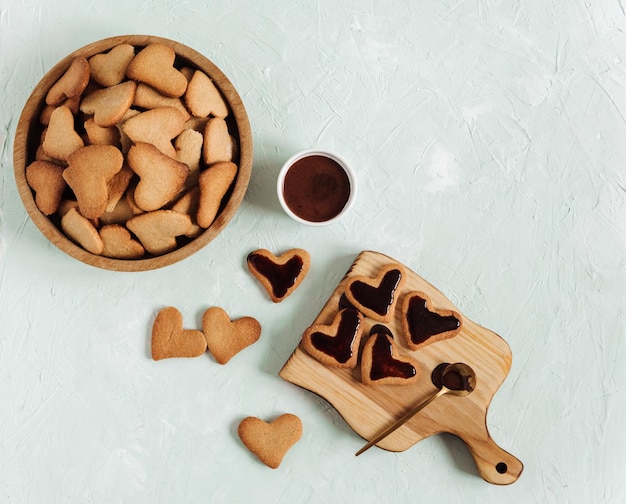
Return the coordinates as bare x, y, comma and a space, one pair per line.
118, 243
109, 69
422, 324
157, 231
82, 231
214, 183
271, 441
89, 172
279, 275
60, 139
226, 338
203, 98
336, 344
109, 105
169, 339
218, 146
157, 127
160, 177
71, 84
154, 65
377, 297
46, 179
381, 362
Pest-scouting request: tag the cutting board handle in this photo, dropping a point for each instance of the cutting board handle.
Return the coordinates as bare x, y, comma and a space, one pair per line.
494, 464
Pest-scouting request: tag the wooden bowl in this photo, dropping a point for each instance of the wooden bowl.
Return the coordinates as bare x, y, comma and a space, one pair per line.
27, 139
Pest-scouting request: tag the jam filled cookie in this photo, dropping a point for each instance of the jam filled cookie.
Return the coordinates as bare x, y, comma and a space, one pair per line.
422, 324
279, 275
376, 297
381, 362
336, 344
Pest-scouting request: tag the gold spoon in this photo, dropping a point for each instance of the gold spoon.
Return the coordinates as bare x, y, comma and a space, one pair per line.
457, 379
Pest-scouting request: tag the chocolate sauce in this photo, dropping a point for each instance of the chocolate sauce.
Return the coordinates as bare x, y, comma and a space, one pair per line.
380, 298
384, 365
340, 346
452, 380
316, 188
423, 323
381, 329
280, 276
343, 302
456, 381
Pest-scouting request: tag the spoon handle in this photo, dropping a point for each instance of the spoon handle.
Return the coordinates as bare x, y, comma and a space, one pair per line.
402, 420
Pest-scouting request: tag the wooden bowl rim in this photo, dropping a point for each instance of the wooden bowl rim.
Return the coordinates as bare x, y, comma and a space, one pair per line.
54, 234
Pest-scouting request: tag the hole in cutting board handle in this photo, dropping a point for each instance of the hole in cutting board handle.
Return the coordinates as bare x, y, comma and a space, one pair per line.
501, 467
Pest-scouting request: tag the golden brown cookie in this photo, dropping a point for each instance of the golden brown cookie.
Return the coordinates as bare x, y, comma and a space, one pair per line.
82, 231
109, 69
423, 324
157, 127
109, 105
119, 244
60, 138
46, 179
119, 215
188, 147
377, 297
336, 344
279, 275
71, 84
270, 442
149, 98
89, 172
118, 186
160, 177
203, 98
226, 338
169, 339
217, 145
154, 65
214, 183
157, 231
70, 103
98, 135
382, 363
188, 204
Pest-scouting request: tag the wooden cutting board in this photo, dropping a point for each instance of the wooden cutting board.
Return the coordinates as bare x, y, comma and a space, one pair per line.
369, 409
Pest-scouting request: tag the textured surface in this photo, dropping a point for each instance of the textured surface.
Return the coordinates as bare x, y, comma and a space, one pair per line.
488, 138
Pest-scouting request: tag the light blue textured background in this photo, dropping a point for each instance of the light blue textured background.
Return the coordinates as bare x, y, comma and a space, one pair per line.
489, 139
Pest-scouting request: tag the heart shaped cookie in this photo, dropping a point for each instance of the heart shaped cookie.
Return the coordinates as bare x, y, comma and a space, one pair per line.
109, 69
226, 338
60, 139
46, 179
71, 84
90, 170
203, 98
279, 275
157, 127
422, 324
270, 441
108, 105
169, 339
336, 344
381, 362
160, 176
376, 297
154, 65
157, 231
118, 243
